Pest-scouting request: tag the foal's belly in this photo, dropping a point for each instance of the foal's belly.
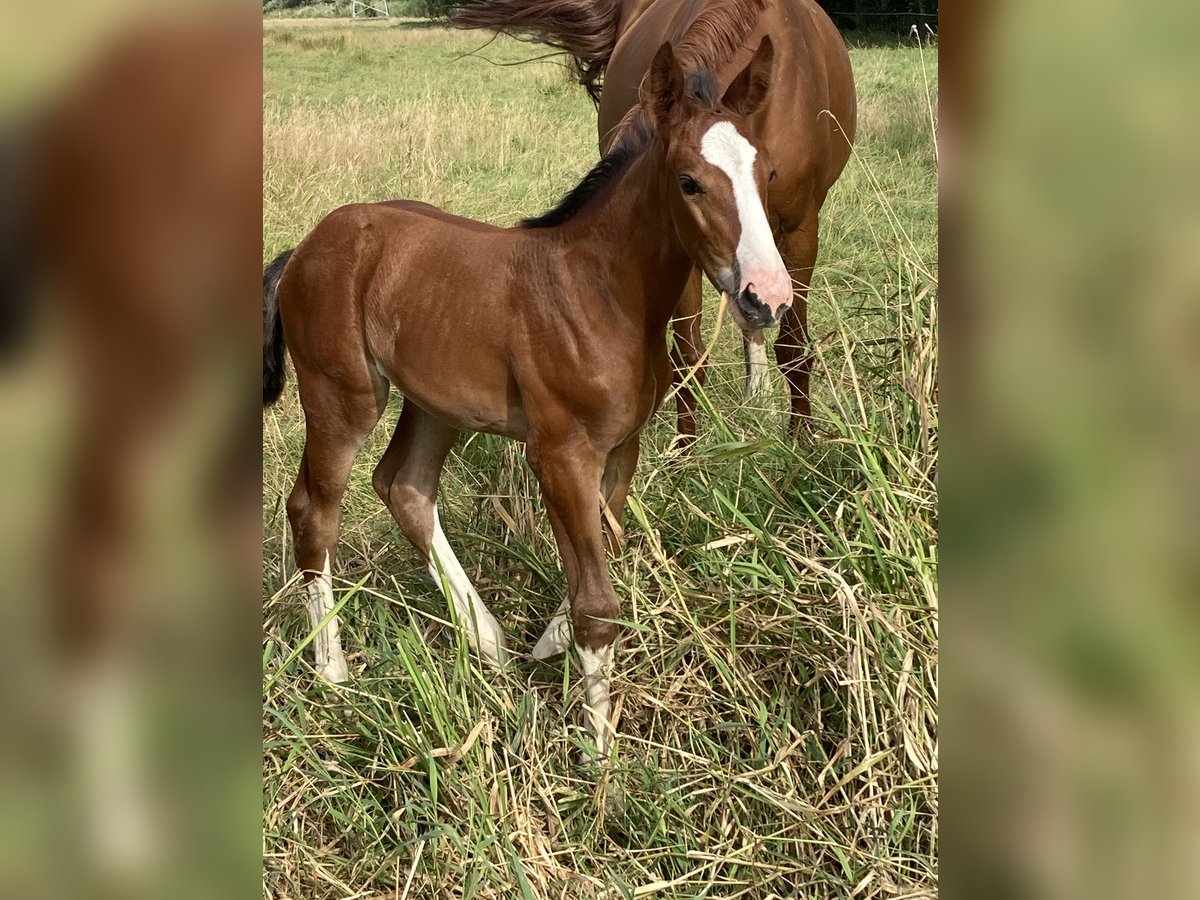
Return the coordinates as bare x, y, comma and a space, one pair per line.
459, 396
470, 413
450, 376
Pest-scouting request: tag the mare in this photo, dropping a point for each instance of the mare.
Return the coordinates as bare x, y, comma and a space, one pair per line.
807, 125
552, 332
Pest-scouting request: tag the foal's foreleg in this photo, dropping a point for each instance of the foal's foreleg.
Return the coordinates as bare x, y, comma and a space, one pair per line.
570, 474
406, 479
614, 491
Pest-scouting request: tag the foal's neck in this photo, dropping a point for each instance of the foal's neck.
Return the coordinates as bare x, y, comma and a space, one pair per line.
640, 262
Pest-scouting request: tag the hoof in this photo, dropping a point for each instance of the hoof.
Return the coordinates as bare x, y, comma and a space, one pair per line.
335, 671
758, 383
489, 641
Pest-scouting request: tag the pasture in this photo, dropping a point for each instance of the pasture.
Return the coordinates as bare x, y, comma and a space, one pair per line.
776, 682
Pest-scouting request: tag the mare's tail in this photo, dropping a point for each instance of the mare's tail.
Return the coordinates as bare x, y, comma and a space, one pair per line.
273, 345
585, 29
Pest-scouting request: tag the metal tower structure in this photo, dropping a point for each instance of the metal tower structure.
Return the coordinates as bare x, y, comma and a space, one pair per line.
358, 9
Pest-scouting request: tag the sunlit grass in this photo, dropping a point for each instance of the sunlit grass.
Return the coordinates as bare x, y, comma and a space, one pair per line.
776, 687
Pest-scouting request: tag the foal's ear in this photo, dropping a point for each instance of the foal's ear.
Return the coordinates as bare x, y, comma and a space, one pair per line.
746, 95
666, 85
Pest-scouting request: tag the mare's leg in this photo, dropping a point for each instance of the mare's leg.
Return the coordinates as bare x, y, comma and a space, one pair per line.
406, 479
758, 377
687, 351
799, 251
614, 491
338, 417
569, 472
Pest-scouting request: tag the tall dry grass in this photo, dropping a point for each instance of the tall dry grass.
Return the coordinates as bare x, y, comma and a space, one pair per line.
777, 679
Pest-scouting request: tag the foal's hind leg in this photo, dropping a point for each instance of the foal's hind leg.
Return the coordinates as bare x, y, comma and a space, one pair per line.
338, 422
406, 479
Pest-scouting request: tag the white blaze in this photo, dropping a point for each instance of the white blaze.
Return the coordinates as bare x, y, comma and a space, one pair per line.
483, 631
758, 258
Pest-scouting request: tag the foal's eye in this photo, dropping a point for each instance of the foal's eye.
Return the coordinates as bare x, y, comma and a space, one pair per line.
689, 186
771, 177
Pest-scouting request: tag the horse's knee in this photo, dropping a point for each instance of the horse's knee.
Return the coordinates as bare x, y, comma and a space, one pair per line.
297, 506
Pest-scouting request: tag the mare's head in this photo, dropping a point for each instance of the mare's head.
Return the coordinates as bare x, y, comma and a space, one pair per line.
719, 172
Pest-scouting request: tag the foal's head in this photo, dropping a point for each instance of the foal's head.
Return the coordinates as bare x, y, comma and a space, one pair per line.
720, 171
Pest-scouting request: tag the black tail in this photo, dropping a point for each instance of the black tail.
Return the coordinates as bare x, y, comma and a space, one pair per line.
273, 345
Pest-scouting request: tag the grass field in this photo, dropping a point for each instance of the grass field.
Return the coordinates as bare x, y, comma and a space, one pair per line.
777, 682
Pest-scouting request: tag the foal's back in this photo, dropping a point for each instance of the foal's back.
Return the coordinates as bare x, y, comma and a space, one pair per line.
406, 292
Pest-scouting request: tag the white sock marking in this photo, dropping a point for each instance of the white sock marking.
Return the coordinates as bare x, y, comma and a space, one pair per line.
483, 631
557, 636
757, 255
758, 377
116, 803
327, 645
597, 665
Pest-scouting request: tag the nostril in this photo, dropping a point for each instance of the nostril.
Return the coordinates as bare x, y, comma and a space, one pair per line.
750, 299
754, 310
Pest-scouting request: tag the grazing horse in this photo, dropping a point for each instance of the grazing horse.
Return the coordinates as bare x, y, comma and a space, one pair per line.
807, 125
552, 333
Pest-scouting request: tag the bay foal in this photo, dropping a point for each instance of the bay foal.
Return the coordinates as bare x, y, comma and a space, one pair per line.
552, 333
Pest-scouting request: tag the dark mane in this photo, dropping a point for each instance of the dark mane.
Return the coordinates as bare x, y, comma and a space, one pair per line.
715, 35
605, 173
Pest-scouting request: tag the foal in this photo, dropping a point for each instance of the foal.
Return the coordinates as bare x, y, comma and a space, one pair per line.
552, 333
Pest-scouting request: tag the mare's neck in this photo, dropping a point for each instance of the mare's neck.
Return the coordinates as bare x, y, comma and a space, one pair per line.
630, 246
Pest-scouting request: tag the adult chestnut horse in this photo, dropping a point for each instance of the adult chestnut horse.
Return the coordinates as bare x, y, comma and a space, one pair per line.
807, 125
552, 333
